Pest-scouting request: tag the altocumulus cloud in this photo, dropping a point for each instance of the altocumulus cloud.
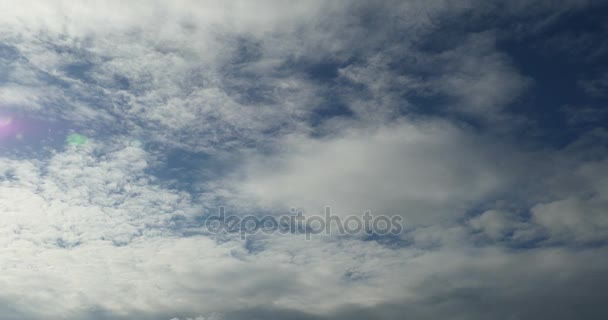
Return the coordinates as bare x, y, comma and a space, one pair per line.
124, 126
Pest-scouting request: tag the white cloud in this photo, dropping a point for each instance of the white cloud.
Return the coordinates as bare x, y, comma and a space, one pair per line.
174, 71
86, 193
579, 212
426, 171
482, 78
88, 231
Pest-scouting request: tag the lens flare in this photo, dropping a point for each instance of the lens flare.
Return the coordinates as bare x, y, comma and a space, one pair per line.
76, 139
5, 121
8, 128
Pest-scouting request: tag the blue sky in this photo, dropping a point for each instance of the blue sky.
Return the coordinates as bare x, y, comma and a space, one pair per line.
124, 126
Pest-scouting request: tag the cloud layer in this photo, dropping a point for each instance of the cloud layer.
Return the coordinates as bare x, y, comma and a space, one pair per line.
447, 114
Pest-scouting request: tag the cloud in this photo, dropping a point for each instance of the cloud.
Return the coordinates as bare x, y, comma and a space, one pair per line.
501, 225
168, 73
425, 171
149, 63
400, 107
595, 87
578, 215
86, 193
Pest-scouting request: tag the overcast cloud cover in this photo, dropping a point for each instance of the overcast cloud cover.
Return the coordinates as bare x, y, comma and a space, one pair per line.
124, 125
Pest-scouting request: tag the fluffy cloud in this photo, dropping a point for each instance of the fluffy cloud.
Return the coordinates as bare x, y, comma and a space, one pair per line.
85, 193
578, 214
400, 107
425, 171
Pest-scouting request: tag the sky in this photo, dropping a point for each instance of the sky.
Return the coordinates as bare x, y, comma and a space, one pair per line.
125, 125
